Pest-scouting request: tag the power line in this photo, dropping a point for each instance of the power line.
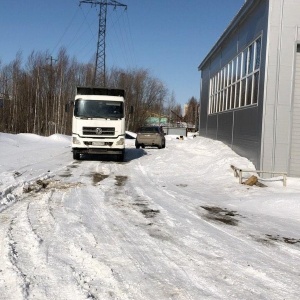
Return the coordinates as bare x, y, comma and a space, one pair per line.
100, 55
65, 31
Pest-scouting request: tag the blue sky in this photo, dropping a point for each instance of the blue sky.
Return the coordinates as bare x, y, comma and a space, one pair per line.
168, 37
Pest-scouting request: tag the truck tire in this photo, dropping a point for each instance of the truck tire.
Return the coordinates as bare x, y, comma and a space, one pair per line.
120, 157
76, 155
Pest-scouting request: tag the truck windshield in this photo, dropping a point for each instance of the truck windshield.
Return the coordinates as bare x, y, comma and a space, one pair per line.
98, 109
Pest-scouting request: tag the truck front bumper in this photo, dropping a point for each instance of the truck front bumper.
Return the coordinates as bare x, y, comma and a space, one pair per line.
88, 145
98, 150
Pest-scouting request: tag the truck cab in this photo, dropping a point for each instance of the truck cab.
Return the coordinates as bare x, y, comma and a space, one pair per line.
98, 123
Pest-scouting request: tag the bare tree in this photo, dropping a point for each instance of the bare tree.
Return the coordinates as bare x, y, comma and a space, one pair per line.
144, 93
36, 94
191, 115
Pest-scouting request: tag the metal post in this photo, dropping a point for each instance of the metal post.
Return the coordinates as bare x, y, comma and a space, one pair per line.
100, 54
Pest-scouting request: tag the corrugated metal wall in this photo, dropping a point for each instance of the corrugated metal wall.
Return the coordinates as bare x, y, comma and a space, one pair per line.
267, 133
238, 128
295, 134
279, 135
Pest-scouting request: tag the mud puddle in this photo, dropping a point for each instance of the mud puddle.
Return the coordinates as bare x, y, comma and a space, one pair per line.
98, 177
120, 180
221, 215
271, 239
149, 213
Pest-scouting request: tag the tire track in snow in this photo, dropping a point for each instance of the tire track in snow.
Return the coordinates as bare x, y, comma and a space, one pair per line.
59, 262
118, 231
82, 259
13, 255
109, 234
30, 243
149, 259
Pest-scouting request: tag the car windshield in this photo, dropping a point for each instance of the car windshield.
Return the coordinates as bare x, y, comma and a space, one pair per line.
149, 130
98, 109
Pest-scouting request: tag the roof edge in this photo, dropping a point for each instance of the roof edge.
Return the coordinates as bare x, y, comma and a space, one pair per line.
246, 7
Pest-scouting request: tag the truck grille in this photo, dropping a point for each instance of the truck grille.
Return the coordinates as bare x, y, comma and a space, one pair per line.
98, 131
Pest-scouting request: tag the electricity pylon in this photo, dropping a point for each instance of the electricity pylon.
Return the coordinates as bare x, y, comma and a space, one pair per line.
100, 55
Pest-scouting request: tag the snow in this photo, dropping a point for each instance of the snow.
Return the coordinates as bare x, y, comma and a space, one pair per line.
172, 223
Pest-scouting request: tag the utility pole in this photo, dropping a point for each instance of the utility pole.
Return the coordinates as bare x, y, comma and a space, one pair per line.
51, 60
100, 55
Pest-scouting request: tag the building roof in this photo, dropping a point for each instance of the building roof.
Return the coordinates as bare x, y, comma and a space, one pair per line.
245, 9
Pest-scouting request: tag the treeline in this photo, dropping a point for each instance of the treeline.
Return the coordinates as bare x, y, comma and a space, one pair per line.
191, 115
33, 94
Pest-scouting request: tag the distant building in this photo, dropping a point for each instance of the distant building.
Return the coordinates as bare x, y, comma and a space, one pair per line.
250, 85
157, 121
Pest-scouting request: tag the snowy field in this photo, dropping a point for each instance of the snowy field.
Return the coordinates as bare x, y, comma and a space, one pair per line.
165, 224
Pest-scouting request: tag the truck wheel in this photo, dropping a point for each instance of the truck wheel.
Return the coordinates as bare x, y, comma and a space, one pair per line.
137, 146
120, 157
76, 155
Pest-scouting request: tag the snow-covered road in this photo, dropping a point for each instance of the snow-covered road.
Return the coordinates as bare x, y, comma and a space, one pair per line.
165, 224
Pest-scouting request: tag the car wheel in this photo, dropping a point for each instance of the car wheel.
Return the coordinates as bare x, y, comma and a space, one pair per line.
164, 145
159, 146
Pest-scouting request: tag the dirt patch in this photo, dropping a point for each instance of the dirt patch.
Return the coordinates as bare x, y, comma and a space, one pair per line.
36, 186
17, 174
182, 185
73, 166
269, 239
65, 175
286, 240
120, 180
41, 185
139, 204
263, 240
291, 240
149, 213
98, 177
222, 215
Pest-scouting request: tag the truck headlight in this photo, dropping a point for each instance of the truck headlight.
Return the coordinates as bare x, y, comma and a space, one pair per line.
120, 141
76, 140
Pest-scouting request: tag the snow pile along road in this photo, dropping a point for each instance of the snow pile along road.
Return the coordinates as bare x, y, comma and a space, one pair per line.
165, 224
27, 157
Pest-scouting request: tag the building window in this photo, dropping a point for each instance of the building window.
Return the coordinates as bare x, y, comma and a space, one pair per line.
236, 85
298, 48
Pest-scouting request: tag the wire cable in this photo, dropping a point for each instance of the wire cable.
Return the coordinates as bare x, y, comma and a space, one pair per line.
65, 31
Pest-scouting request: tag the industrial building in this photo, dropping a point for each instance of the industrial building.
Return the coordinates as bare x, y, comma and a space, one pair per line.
250, 86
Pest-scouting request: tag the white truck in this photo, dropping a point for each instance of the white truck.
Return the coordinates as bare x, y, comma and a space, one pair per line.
98, 124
